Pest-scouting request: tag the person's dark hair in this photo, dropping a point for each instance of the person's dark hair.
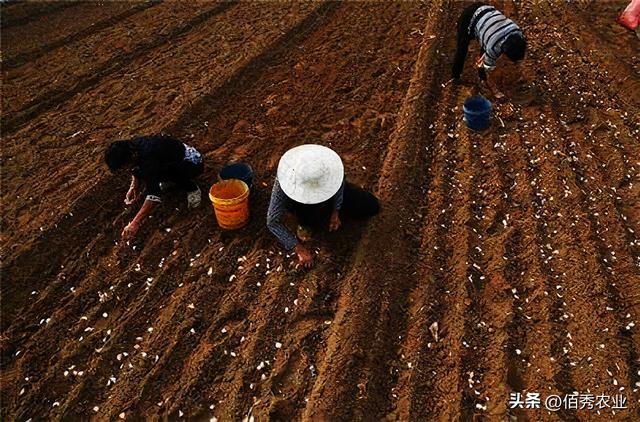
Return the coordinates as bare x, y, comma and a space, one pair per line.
515, 46
118, 155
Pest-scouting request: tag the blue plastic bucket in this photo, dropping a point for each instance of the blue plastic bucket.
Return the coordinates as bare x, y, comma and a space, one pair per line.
477, 112
239, 171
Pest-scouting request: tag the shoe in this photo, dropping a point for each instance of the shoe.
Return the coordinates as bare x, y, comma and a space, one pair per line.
194, 198
303, 233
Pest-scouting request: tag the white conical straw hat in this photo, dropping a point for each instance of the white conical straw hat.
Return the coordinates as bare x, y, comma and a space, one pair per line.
310, 173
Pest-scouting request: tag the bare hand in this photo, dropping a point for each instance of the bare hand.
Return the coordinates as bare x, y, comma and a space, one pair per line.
130, 230
304, 256
132, 196
334, 222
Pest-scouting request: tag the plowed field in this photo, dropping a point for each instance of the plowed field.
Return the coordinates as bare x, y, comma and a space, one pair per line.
520, 242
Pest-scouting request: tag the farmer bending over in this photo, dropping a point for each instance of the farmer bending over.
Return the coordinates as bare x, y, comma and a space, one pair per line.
310, 185
155, 163
496, 35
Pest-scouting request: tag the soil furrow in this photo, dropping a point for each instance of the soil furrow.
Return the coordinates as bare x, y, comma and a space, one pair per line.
489, 290
455, 344
275, 391
515, 364
250, 72
72, 63
362, 372
49, 358
80, 178
95, 27
517, 275
475, 332
12, 17
198, 336
582, 301
610, 261
543, 241
57, 97
538, 365
54, 248
411, 393
565, 262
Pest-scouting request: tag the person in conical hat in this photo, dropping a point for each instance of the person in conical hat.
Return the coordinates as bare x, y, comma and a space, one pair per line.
311, 185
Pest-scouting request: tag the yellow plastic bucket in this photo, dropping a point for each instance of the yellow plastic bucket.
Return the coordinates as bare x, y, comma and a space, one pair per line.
230, 200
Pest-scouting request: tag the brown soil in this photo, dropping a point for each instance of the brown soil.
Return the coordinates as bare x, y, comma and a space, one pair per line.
520, 242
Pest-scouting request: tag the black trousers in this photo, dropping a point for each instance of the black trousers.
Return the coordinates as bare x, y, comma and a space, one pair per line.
357, 203
464, 38
183, 173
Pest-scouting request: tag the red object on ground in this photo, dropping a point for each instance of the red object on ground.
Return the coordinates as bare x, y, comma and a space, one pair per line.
631, 15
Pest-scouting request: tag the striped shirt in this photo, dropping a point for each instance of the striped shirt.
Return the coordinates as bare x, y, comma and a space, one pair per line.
491, 29
281, 203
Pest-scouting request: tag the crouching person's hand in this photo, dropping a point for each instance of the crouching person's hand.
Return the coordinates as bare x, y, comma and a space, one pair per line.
304, 255
130, 230
132, 196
